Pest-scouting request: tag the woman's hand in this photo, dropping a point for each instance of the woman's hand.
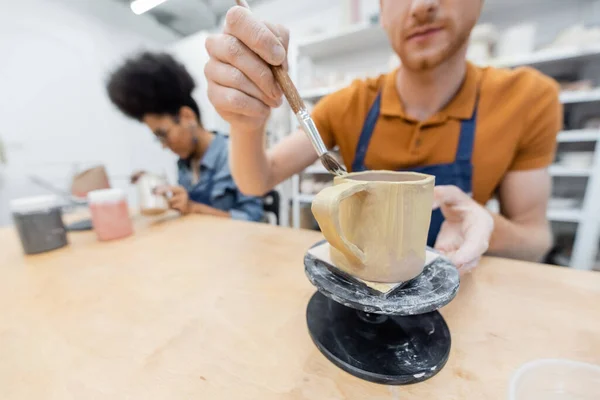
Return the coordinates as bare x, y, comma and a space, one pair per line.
465, 234
178, 198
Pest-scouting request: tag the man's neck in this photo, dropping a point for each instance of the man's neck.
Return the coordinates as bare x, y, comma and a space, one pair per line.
424, 93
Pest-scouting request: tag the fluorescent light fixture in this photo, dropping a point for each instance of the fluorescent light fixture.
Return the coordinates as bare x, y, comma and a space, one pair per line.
141, 6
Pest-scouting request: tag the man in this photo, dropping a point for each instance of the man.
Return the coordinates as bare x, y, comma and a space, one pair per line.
155, 89
480, 131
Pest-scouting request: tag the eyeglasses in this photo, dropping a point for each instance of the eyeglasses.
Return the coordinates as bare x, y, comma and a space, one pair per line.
162, 135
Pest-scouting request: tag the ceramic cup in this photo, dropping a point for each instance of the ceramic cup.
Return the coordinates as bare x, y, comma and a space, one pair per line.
377, 223
38, 221
151, 203
110, 214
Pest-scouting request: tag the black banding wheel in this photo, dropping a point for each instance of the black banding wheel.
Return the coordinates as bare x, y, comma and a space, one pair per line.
435, 287
395, 338
392, 350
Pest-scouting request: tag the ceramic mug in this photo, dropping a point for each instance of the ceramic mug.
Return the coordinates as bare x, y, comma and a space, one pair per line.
151, 203
377, 222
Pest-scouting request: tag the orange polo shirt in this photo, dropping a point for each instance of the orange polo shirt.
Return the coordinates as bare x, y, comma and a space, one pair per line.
518, 117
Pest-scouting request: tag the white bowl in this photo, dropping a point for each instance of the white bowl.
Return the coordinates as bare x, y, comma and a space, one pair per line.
555, 379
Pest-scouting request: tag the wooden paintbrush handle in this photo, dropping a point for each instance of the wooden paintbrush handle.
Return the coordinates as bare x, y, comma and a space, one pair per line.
283, 78
288, 88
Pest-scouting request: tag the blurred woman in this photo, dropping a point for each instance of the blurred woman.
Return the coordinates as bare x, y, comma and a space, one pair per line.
155, 89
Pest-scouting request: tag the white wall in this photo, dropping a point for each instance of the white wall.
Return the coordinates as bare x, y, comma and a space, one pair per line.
191, 51
55, 55
303, 17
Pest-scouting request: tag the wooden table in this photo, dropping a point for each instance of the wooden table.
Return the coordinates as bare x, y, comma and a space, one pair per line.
205, 308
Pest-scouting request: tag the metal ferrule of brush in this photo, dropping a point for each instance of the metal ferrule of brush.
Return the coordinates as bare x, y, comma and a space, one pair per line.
308, 126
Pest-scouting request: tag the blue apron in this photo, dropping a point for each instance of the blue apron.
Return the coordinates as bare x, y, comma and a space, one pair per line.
459, 173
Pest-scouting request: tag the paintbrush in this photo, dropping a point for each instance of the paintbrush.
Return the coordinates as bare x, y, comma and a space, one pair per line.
306, 122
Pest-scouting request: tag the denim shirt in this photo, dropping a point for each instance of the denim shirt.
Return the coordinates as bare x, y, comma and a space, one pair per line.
216, 187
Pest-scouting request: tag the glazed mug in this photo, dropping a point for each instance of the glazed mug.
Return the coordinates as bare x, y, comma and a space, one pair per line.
376, 223
150, 202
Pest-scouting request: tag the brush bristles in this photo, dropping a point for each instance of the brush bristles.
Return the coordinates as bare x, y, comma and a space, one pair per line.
331, 164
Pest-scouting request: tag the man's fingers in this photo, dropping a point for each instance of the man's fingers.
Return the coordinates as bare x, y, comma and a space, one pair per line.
241, 23
452, 201
476, 225
230, 50
280, 32
283, 35
231, 77
465, 269
233, 101
450, 195
448, 239
476, 239
472, 248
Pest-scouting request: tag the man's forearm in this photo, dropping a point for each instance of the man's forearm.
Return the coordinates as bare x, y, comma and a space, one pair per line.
199, 208
248, 161
511, 239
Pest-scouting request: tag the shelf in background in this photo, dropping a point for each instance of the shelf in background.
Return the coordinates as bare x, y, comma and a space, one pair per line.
549, 56
567, 215
567, 97
559, 170
580, 96
305, 198
579, 135
364, 36
355, 38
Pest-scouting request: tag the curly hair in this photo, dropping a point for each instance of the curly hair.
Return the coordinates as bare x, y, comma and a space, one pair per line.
151, 83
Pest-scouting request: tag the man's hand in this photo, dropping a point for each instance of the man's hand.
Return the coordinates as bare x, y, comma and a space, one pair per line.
178, 198
241, 85
465, 233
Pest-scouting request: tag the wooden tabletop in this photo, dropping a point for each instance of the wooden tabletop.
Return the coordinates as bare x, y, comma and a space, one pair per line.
207, 308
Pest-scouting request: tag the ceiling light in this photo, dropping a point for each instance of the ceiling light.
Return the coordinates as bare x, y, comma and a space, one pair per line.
141, 6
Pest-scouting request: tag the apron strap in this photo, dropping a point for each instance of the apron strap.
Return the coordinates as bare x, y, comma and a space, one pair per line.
466, 139
365, 135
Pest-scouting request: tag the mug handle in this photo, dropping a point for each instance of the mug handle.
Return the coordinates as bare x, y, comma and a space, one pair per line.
326, 209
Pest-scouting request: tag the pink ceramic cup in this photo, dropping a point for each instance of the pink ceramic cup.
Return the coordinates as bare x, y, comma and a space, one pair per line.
110, 214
